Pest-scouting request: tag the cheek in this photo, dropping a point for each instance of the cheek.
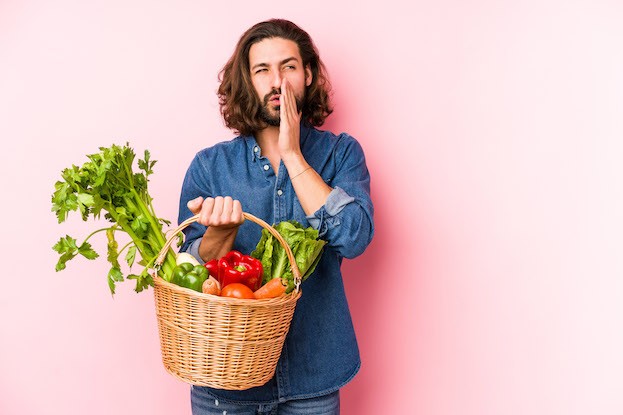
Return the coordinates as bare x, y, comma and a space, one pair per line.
260, 83
256, 87
297, 80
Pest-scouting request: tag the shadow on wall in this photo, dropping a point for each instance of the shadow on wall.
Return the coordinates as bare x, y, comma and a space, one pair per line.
363, 277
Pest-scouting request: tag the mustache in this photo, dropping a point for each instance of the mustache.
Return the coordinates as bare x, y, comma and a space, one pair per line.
272, 93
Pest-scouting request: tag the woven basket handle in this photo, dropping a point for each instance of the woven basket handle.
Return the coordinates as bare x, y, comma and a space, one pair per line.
295, 269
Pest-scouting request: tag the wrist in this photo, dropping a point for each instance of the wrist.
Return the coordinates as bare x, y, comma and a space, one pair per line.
295, 163
292, 157
295, 175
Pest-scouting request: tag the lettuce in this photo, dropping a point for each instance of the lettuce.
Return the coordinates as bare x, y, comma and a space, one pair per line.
305, 246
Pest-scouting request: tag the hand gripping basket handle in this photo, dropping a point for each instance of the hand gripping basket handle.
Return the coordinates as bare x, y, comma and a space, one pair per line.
295, 269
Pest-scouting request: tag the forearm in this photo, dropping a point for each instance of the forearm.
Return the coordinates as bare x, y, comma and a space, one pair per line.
215, 243
310, 188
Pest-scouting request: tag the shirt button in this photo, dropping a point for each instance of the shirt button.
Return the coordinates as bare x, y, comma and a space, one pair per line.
279, 192
256, 149
266, 167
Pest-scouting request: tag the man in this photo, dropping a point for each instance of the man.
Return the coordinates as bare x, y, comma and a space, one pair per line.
274, 91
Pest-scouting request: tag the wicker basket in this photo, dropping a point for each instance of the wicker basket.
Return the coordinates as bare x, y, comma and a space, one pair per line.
222, 342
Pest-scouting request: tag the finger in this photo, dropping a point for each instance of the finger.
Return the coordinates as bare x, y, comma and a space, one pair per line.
217, 211
227, 209
195, 205
283, 87
286, 116
206, 211
291, 105
283, 101
237, 215
288, 89
286, 97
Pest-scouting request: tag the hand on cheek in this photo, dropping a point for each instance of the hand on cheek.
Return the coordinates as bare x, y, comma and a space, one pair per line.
289, 128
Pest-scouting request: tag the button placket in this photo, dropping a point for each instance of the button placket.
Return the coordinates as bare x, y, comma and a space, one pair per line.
279, 202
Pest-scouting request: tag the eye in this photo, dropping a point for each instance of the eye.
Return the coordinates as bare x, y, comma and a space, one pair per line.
261, 70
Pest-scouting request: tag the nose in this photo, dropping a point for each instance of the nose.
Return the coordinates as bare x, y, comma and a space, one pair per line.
276, 81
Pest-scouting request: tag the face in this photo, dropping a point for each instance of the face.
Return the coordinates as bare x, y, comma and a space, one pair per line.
270, 61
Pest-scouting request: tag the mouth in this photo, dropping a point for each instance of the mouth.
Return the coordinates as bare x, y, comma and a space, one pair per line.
274, 99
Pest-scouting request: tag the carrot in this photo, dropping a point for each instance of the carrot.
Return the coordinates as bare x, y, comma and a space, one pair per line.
273, 288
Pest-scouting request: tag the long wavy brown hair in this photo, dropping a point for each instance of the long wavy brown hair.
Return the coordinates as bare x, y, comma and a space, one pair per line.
240, 104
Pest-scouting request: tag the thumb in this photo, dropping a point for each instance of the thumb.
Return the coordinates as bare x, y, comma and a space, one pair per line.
195, 205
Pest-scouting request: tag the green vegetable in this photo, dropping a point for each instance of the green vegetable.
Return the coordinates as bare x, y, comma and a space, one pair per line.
106, 183
305, 246
189, 276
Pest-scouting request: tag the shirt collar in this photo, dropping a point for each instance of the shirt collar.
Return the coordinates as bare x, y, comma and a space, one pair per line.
253, 147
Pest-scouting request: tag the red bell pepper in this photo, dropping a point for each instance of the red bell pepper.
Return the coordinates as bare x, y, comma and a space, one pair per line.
237, 267
212, 267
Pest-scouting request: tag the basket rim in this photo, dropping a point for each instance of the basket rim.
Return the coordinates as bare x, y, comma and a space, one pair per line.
293, 296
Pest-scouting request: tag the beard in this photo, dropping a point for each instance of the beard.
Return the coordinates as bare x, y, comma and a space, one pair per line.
270, 115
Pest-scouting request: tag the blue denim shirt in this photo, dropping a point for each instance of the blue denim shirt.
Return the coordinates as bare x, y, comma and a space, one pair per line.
320, 353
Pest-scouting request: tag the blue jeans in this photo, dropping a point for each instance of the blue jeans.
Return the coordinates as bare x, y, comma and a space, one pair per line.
205, 404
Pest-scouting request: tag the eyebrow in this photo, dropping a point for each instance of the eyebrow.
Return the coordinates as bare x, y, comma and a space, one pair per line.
283, 62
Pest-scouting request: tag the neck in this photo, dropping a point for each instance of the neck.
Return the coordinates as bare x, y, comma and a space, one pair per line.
267, 137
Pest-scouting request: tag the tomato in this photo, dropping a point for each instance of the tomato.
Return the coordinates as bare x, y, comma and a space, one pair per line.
237, 290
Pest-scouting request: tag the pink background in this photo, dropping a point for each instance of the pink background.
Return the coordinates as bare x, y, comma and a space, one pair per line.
493, 131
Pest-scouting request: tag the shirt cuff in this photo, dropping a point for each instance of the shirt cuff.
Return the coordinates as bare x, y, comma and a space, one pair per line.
193, 249
336, 201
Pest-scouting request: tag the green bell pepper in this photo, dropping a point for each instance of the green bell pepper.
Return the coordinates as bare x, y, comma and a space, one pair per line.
189, 276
